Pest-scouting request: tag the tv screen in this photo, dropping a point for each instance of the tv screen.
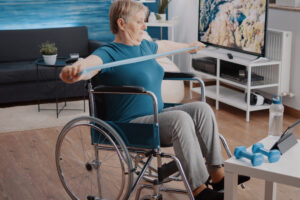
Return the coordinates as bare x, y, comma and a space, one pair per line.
239, 25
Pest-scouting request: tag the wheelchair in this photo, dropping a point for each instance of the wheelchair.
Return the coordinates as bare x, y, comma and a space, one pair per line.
107, 160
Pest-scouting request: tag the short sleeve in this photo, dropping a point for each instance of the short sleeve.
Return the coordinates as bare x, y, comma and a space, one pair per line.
152, 45
102, 52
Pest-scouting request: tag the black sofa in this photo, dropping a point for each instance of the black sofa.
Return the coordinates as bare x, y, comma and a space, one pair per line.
18, 51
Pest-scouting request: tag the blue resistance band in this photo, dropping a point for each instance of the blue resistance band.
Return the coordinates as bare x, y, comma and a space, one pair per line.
134, 60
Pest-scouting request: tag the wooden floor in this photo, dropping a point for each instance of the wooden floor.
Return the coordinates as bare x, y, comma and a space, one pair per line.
27, 166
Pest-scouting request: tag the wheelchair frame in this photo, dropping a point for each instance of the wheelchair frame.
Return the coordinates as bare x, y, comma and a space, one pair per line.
163, 172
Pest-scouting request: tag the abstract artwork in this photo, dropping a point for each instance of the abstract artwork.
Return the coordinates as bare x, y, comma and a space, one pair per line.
33, 14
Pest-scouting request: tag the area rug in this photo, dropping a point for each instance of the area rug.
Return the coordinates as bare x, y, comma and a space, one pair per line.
20, 118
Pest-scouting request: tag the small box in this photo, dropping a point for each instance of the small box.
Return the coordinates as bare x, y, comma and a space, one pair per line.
289, 3
205, 64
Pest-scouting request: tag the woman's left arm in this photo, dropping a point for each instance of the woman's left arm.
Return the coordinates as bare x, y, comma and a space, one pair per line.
167, 45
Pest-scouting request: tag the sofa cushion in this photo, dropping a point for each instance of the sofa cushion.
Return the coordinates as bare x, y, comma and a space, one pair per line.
16, 72
24, 45
46, 90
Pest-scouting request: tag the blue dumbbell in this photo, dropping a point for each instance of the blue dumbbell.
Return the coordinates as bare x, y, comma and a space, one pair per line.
273, 155
256, 158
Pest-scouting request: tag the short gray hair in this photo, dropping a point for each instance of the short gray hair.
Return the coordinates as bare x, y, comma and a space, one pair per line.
123, 9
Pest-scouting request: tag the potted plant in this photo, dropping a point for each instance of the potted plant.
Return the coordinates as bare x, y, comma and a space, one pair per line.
162, 7
49, 52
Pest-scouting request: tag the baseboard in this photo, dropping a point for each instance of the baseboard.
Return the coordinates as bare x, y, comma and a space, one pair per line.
292, 111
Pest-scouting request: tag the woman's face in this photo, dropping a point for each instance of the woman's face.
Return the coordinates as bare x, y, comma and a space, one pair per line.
135, 27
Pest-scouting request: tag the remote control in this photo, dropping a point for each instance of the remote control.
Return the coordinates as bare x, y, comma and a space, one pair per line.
229, 55
71, 60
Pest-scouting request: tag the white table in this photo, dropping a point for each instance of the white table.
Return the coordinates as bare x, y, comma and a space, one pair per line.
285, 171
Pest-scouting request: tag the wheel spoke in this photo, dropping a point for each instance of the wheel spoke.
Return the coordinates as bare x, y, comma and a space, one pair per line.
76, 150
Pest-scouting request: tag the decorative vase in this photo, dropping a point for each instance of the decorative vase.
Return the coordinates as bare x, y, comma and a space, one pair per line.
50, 59
152, 18
162, 17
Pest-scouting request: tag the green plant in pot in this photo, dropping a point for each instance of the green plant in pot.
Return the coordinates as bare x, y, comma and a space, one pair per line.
162, 7
49, 52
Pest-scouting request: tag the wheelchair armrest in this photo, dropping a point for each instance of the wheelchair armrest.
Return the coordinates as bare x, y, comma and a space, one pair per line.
124, 90
119, 89
186, 77
178, 76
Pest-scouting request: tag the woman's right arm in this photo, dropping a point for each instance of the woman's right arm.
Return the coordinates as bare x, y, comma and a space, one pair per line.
70, 73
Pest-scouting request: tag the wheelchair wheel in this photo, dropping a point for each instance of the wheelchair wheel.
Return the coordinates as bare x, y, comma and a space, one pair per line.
92, 160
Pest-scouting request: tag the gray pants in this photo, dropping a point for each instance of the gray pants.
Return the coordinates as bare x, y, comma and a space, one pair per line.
193, 131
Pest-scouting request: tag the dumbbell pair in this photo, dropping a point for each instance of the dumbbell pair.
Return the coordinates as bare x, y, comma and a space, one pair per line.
257, 156
273, 155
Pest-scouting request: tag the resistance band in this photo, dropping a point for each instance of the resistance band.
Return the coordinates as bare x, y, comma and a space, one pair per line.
134, 60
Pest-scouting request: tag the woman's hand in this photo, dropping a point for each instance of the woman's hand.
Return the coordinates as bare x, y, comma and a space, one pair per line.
70, 73
196, 44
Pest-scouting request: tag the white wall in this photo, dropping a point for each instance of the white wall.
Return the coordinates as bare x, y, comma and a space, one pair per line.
290, 21
186, 13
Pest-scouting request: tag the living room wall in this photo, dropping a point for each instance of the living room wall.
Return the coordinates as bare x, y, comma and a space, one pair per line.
286, 20
33, 14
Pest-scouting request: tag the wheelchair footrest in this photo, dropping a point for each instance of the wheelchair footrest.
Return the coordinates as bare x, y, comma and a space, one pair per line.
166, 170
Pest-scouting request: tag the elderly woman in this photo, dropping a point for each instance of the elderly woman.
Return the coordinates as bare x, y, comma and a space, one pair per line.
191, 128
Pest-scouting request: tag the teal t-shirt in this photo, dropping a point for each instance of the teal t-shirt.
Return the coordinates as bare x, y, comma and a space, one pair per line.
147, 74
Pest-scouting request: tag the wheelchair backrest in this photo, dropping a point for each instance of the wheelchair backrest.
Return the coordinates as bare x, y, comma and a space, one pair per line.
96, 102
133, 134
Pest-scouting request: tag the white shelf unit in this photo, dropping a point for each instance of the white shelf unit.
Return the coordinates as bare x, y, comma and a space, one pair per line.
264, 67
168, 24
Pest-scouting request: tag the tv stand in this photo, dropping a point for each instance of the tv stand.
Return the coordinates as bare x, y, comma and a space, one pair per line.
231, 90
260, 59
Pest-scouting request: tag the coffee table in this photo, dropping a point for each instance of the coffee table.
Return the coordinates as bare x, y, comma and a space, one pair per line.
60, 62
285, 171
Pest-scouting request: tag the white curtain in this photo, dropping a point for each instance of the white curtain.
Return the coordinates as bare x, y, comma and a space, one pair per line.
185, 12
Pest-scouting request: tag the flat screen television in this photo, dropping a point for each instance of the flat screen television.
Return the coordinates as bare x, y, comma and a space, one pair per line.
238, 25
